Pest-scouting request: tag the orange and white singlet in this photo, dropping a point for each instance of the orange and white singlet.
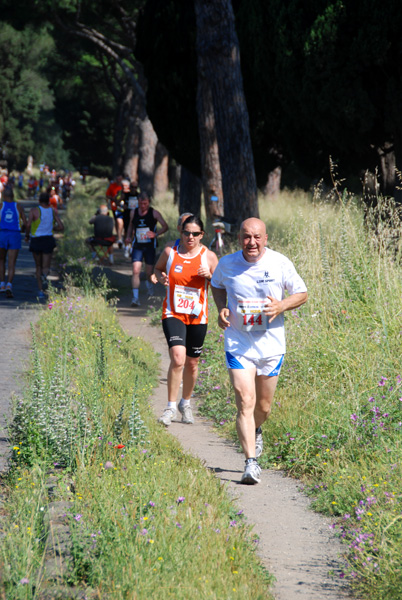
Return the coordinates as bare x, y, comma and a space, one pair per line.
187, 294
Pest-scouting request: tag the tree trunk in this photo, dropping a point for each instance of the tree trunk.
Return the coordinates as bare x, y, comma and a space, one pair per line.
388, 164
161, 179
190, 192
273, 185
118, 137
146, 167
218, 49
210, 167
176, 177
132, 149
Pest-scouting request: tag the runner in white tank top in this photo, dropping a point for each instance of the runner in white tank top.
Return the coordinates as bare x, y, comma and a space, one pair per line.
39, 232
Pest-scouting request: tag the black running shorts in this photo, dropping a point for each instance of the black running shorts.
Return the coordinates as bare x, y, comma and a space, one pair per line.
44, 244
179, 334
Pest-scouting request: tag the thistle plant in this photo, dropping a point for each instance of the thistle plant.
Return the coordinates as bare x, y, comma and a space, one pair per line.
118, 425
139, 433
100, 359
50, 422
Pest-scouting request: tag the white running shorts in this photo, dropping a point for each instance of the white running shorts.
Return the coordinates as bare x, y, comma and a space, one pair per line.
270, 366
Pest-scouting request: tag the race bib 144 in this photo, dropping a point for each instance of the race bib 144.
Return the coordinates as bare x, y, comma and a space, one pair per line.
250, 314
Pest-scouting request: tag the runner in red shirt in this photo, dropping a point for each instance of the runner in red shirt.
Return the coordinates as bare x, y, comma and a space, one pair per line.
111, 193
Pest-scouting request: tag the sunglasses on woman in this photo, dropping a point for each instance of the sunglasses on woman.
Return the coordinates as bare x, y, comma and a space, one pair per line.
193, 233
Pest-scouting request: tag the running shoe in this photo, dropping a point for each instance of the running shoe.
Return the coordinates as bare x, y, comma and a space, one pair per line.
2, 287
127, 252
259, 442
120, 243
9, 291
186, 414
135, 302
41, 295
251, 473
168, 415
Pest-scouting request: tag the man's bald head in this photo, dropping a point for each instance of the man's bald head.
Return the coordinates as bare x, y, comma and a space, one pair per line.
103, 209
253, 238
253, 223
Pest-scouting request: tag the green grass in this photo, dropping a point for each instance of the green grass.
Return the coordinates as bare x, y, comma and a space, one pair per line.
337, 416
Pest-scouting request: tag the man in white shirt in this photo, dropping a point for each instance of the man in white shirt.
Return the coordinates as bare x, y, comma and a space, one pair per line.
249, 291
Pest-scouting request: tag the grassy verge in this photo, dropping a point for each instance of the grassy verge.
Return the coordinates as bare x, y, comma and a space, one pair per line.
146, 520
337, 418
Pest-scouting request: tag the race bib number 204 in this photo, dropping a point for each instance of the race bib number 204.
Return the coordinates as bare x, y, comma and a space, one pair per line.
251, 316
185, 299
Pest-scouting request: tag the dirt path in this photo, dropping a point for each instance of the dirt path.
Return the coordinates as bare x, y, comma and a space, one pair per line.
15, 317
296, 544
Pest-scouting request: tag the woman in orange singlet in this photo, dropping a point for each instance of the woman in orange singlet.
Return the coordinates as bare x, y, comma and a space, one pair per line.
185, 269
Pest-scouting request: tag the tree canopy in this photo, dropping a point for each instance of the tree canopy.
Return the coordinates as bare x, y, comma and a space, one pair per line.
27, 124
321, 77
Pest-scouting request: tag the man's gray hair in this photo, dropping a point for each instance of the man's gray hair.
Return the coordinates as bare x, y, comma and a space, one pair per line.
103, 209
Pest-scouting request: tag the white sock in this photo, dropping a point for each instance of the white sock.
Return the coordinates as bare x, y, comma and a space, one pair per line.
172, 405
184, 403
136, 293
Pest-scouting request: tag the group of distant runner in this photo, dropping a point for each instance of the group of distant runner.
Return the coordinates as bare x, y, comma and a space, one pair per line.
38, 227
137, 231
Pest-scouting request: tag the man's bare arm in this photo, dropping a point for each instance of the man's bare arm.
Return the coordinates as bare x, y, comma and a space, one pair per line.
275, 307
220, 298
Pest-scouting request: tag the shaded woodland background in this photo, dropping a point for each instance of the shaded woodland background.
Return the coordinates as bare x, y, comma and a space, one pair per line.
117, 86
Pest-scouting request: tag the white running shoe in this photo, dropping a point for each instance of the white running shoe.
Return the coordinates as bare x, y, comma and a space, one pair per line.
259, 442
186, 413
168, 415
251, 473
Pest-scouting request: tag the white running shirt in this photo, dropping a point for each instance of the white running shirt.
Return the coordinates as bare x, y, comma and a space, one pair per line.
247, 286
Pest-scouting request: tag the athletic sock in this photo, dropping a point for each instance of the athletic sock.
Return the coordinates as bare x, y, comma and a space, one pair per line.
150, 288
136, 293
172, 405
185, 402
258, 430
250, 460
